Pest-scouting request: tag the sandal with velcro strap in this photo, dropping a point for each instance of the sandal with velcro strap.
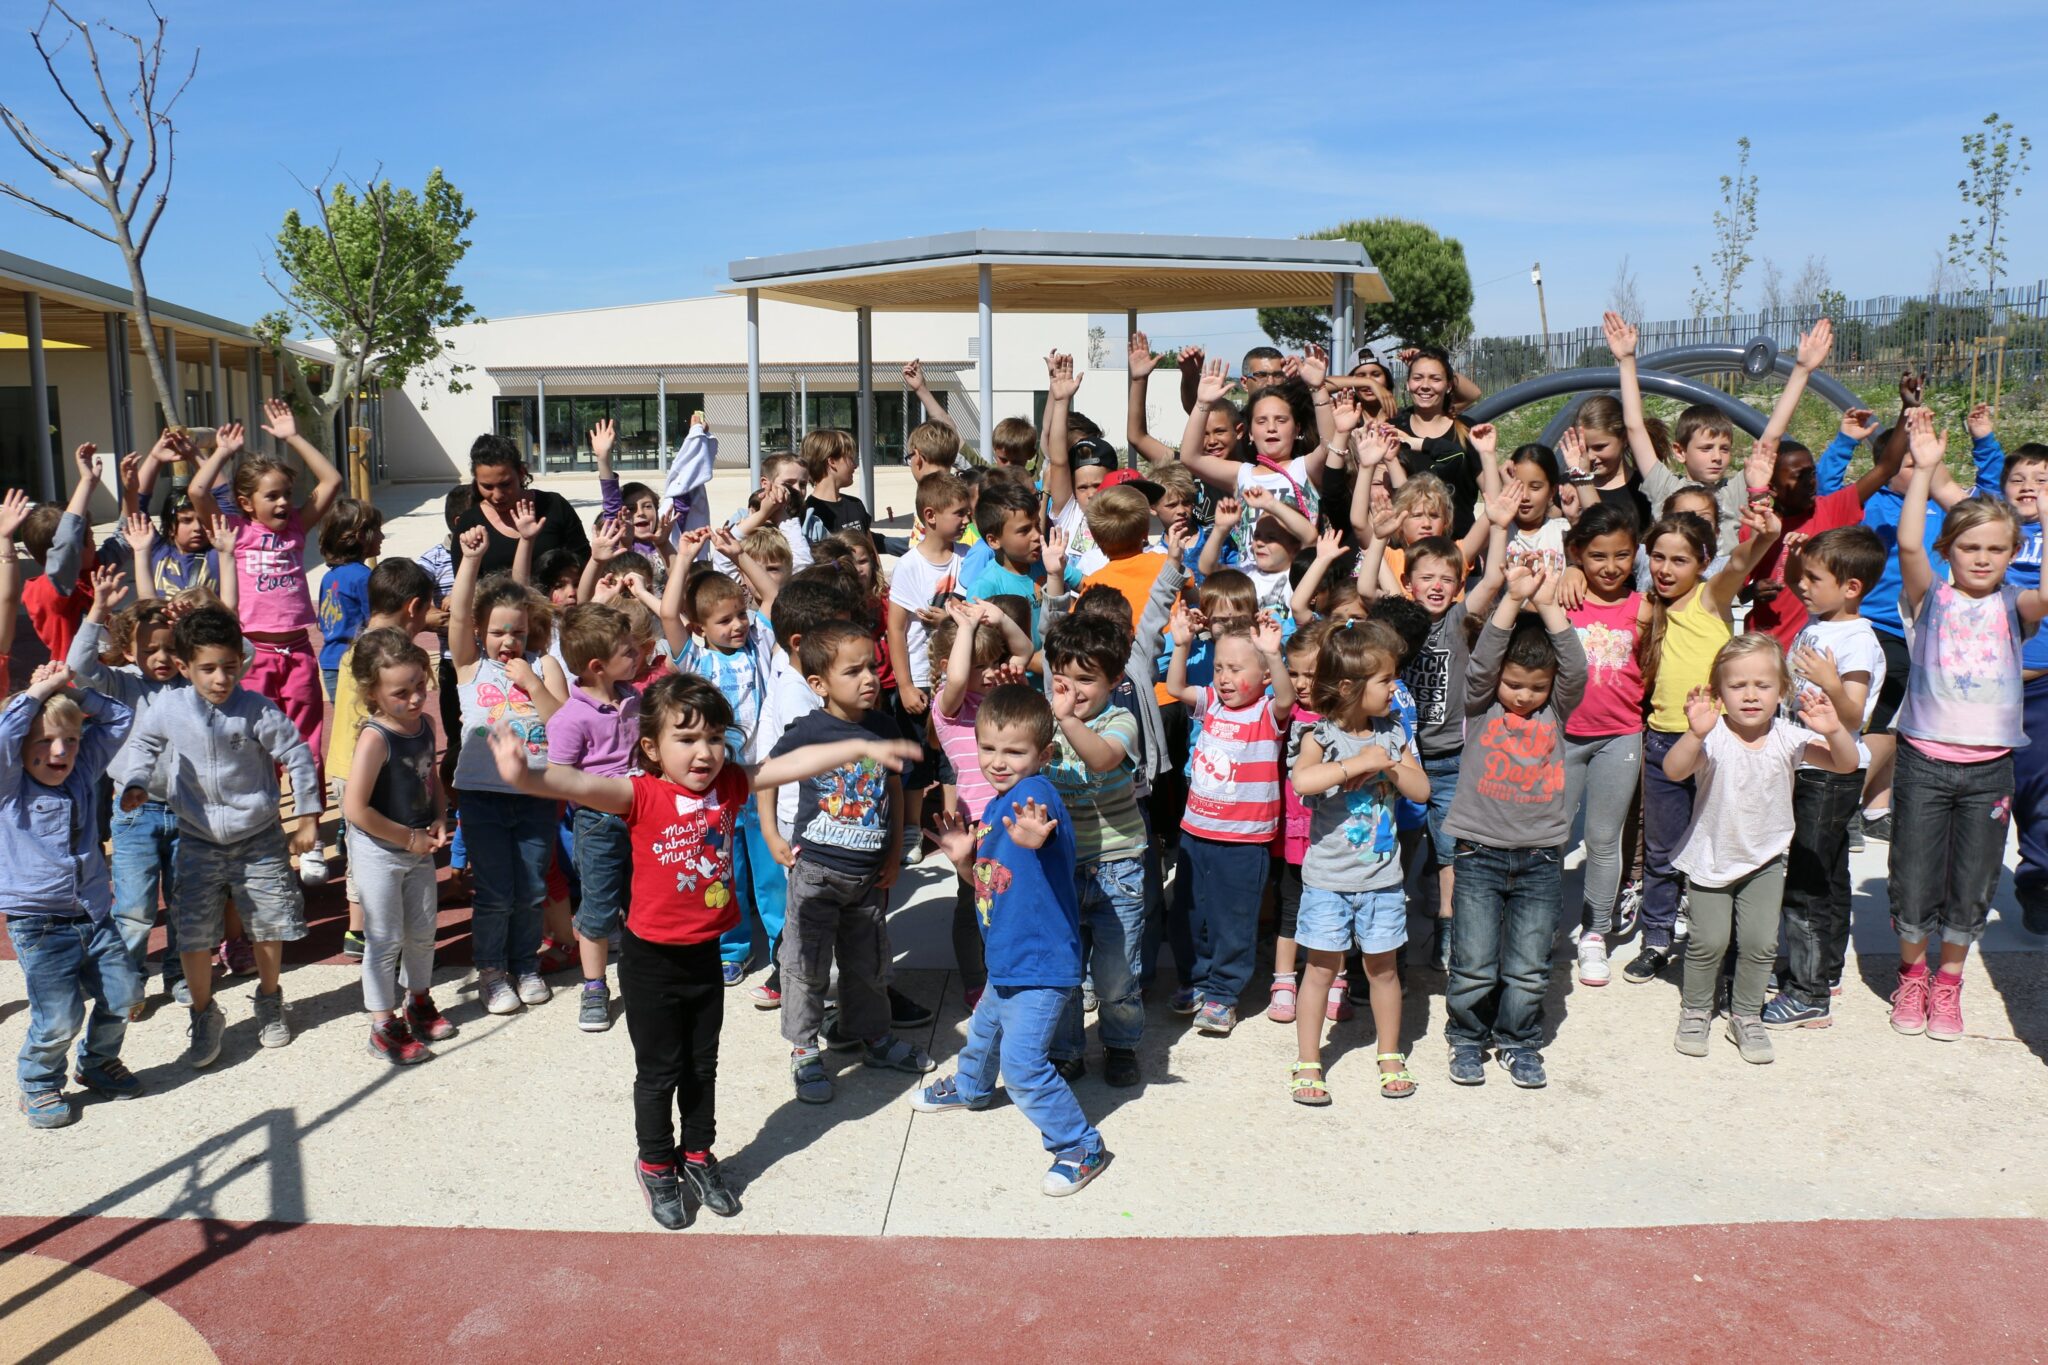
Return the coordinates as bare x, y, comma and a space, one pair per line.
1300, 1085
1403, 1076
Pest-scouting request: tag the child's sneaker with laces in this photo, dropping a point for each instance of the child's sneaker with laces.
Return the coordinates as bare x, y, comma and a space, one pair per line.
426, 1020
533, 990
111, 1078
353, 945
765, 996
1186, 1000
1280, 1009
1593, 968
313, 867
202, 1035
1216, 1019
272, 1029
708, 1187
1945, 1007
394, 1042
1909, 1003
1787, 1011
594, 1011
1072, 1169
494, 988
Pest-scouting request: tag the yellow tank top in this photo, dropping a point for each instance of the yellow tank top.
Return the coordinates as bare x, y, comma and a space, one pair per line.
1693, 635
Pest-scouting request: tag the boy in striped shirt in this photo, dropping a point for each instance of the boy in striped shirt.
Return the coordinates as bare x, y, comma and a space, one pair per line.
1094, 768
1233, 808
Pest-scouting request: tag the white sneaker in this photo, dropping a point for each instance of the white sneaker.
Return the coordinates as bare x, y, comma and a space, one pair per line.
498, 995
533, 990
1593, 969
313, 868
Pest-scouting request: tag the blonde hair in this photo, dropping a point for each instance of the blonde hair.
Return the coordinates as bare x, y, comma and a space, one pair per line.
1742, 647
1118, 519
62, 712
933, 442
821, 447
769, 547
1971, 513
1423, 493
1175, 480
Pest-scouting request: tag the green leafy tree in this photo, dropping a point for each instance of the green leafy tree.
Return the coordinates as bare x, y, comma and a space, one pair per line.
1997, 161
1734, 230
371, 274
1425, 272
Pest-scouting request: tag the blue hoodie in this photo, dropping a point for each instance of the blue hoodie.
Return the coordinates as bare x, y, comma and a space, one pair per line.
50, 836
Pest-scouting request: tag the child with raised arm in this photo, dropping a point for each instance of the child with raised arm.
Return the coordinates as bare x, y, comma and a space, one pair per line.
14, 512
1019, 860
922, 582
396, 822
1705, 439
680, 812
1964, 715
224, 745
60, 540
351, 537
1510, 822
1233, 804
276, 603
57, 901
1742, 756
503, 683
634, 507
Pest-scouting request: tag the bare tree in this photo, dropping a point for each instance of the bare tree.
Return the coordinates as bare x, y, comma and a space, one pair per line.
1773, 305
123, 156
1624, 297
1813, 284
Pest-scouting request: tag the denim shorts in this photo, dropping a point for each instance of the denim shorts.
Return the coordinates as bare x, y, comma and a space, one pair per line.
257, 870
1333, 921
604, 863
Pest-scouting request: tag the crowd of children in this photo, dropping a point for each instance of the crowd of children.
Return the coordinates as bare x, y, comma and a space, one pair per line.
1334, 659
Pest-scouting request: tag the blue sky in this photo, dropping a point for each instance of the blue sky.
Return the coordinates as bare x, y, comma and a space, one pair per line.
622, 152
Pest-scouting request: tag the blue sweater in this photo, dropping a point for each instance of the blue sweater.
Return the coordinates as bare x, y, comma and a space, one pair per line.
50, 836
1881, 514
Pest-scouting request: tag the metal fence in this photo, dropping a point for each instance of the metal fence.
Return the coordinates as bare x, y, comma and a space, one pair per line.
1999, 337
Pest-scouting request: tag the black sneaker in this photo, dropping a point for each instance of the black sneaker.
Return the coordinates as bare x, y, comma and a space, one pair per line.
663, 1191
1645, 965
1120, 1067
1878, 827
2034, 913
905, 1012
707, 1184
1071, 1069
1857, 842
353, 945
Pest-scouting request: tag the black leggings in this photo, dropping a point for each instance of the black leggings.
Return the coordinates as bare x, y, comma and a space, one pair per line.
675, 1006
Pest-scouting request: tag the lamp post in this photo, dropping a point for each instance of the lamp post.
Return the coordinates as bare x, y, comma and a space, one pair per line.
1542, 313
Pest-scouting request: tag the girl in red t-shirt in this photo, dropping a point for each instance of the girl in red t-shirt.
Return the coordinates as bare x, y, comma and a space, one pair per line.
680, 814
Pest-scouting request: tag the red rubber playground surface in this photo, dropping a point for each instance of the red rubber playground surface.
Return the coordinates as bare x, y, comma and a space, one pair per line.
1965, 1290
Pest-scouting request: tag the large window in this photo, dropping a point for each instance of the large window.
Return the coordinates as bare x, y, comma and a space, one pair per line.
570, 419
21, 464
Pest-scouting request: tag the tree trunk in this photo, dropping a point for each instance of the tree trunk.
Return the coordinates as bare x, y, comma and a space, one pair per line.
166, 392
320, 405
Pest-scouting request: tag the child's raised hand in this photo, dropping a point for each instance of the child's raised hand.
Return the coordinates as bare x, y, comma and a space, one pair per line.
1795, 541
1314, 367
1258, 497
1266, 633
1571, 448
1031, 826
1386, 518
606, 540
1190, 359
1928, 447
1371, 447
1702, 711
168, 448
724, 542
894, 754
1547, 581
140, 534
1055, 553
1504, 506
1621, 335
50, 678
509, 752
956, 840
1005, 674
1762, 462
1910, 386
1181, 625
1818, 714
526, 523
603, 435
1762, 519
1348, 410
1522, 579
228, 440
129, 471
1140, 359
87, 458
608, 589
1178, 537
223, 534
1329, 546
964, 613
1816, 666
1485, 439
1568, 500
1229, 511
1817, 345
1064, 382
691, 542
913, 374
281, 424
1215, 383
1062, 698
474, 542
1859, 424
107, 583
1571, 588
1979, 421
14, 510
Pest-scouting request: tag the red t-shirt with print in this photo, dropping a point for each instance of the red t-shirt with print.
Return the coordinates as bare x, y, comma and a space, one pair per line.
682, 857
1784, 616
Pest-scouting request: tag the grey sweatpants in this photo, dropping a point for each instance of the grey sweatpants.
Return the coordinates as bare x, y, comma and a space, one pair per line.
1749, 908
834, 913
398, 918
1605, 772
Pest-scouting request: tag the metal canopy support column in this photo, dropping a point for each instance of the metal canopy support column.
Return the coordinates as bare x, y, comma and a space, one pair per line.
661, 423
986, 361
540, 408
124, 407
864, 409
254, 416
173, 403
216, 394
1348, 311
753, 386
39, 394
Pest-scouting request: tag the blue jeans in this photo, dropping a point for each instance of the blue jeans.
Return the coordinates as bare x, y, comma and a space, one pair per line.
145, 847
754, 867
1112, 896
1505, 901
604, 868
511, 839
1442, 772
1667, 812
1227, 881
63, 961
1010, 1033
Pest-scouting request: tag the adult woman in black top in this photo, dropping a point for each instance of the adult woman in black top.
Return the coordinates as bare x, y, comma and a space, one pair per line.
501, 480
1433, 439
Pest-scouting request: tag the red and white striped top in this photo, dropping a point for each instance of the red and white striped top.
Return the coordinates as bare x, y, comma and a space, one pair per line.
1234, 778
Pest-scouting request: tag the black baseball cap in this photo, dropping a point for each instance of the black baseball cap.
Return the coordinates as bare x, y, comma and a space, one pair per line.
1091, 450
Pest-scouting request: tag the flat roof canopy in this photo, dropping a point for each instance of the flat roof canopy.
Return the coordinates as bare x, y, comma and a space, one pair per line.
1065, 272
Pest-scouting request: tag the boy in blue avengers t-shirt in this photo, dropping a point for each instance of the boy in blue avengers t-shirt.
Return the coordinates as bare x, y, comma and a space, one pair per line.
1019, 862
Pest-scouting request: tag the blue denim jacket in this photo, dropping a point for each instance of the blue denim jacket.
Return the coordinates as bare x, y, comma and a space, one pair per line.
50, 836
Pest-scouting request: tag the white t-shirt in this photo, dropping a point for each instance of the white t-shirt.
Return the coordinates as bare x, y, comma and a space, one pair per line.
1275, 590
1856, 649
1545, 543
792, 531
789, 697
916, 583
1081, 547
1742, 812
1285, 487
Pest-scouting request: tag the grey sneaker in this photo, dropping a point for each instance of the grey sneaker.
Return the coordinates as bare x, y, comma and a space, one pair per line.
1746, 1031
496, 992
594, 1015
204, 1034
1693, 1026
181, 991
271, 1028
533, 990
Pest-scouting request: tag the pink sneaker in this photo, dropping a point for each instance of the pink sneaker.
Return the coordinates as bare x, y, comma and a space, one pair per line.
1281, 1008
1909, 1003
1945, 1009
1339, 1009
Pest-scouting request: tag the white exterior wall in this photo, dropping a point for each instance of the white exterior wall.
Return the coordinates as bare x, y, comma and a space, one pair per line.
427, 431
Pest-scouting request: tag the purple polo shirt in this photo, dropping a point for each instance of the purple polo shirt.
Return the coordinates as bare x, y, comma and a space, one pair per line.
595, 736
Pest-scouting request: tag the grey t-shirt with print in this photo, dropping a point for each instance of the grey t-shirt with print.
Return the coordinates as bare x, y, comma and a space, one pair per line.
1351, 844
